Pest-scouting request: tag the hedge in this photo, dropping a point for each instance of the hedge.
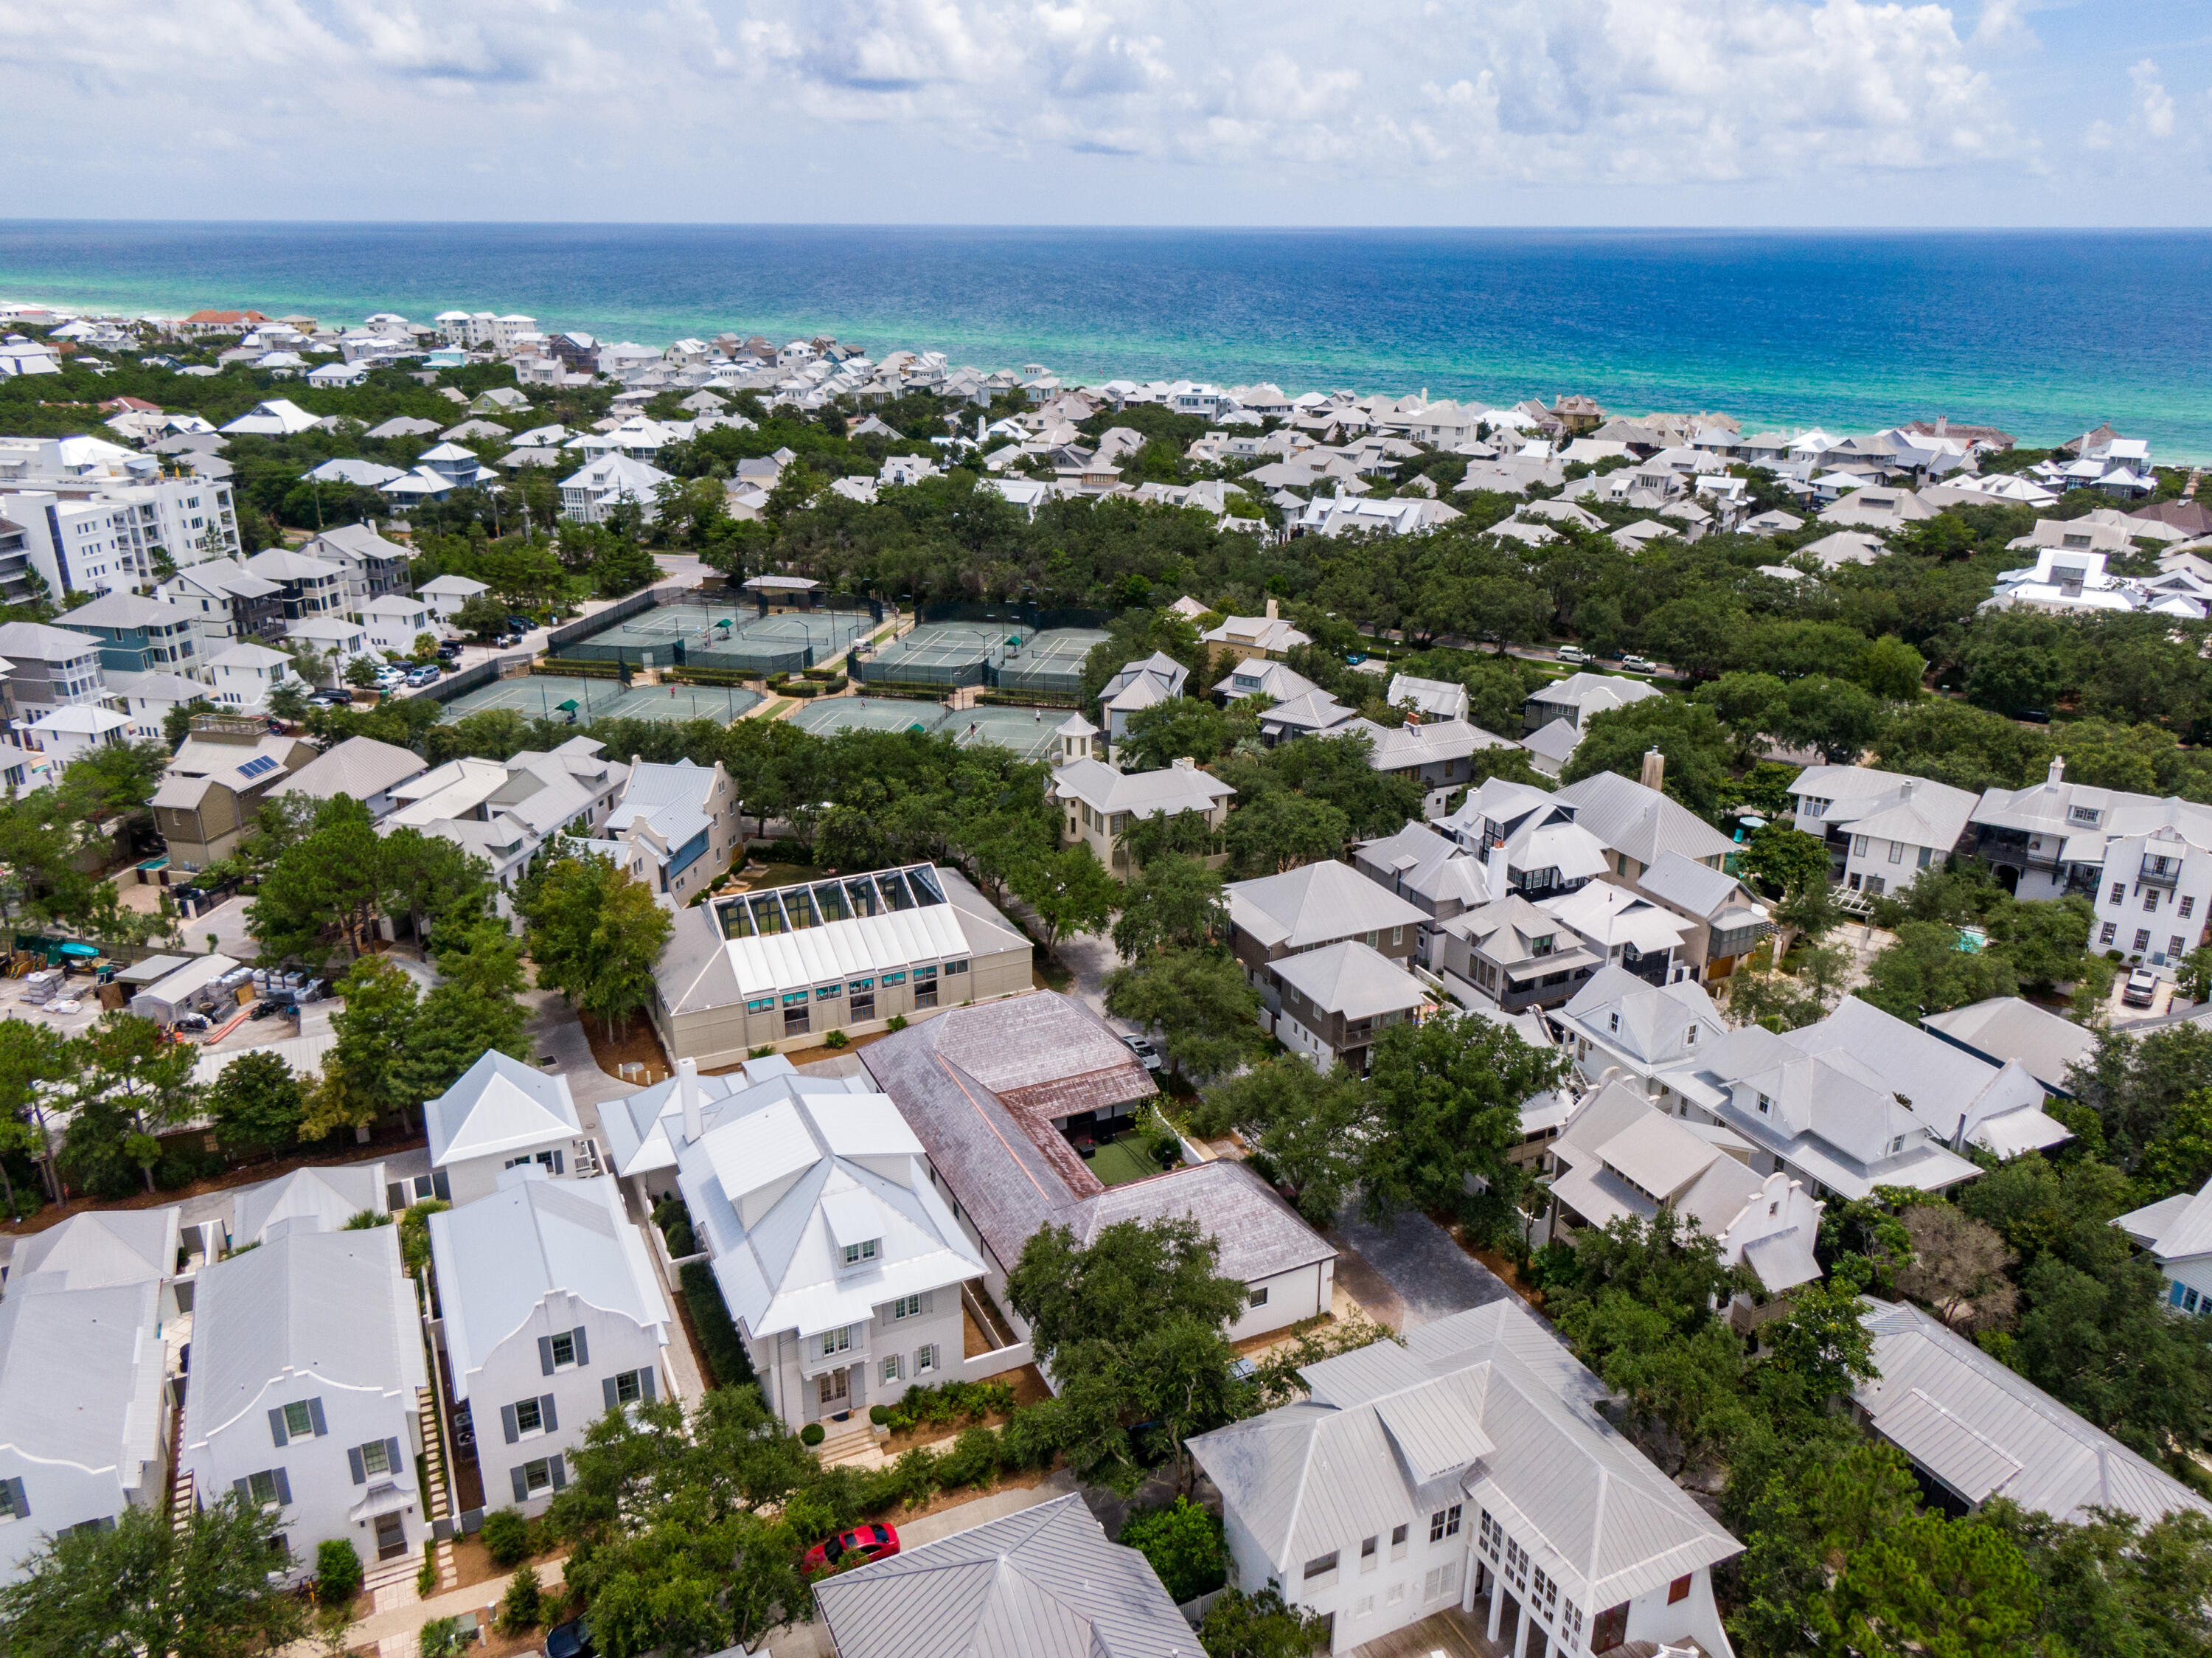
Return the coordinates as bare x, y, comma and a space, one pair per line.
717, 1330
577, 668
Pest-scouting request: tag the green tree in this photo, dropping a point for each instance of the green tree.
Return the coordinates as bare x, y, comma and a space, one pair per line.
1834, 716
2109, 1584
320, 894
205, 1589
1283, 829
1132, 1329
32, 1059
1698, 749
482, 617
1261, 1625
1174, 900
257, 1104
1967, 748
1447, 1106
364, 1072
2103, 1344
1167, 731
1930, 1585
1070, 891
128, 1083
596, 935
1307, 1125
1926, 972
1183, 1543
1198, 999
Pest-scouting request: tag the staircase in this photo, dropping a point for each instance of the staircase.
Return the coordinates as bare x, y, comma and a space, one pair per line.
850, 1444
184, 1501
437, 1502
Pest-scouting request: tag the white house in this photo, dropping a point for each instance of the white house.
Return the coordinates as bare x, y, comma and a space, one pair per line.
551, 1316
502, 1112
1620, 1156
1098, 803
1247, 636
1159, 678
673, 826
244, 675
2176, 1232
1468, 1468
1618, 1021
589, 495
393, 622
85, 1408
307, 1374
1580, 696
1434, 699
1882, 828
836, 1250
446, 595
277, 417
503, 811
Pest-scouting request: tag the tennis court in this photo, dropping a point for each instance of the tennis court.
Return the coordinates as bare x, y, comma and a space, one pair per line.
732, 637
541, 695
985, 653
826, 719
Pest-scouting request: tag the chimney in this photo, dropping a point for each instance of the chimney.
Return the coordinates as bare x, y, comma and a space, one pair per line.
1654, 773
687, 1090
1495, 874
1905, 791
1942, 422
2057, 770
1271, 610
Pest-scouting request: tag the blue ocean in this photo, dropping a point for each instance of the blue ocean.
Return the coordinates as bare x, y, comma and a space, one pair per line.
2042, 333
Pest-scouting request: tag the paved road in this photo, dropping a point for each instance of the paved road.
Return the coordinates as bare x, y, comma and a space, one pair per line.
1427, 1275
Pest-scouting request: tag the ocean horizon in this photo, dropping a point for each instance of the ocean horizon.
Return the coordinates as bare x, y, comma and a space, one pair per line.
2044, 333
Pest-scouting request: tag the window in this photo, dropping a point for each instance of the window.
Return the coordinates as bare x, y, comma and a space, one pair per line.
925, 1358
894, 978
2119, 891
1897, 851
1858, 846
1398, 1542
529, 1417
1765, 1105
794, 1021
1259, 1296
892, 1366
837, 1341
908, 1307
299, 1421
2143, 940
1394, 1595
2188, 906
855, 1253
1320, 1565
2150, 899
1690, 1037
535, 1477
953, 967
1612, 1024
1927, 856
1443, 1523
1678, 1590
1366, 1608
1368, 1553
1397, 935
2105, 935
268, 1487
1371, 939
376, 1457
764, 1004
862, 1006
1609, 1629
827, 992
564, 1349
1440, 1581
13, 1503
629, 1386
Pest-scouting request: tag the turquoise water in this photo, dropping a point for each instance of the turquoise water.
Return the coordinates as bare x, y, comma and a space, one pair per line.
2043, 333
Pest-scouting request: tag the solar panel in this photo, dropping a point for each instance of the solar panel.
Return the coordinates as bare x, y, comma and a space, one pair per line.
257, 766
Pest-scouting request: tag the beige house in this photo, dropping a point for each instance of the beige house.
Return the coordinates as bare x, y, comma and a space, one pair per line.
783, 967
1246, 636
1097, 803
214, 785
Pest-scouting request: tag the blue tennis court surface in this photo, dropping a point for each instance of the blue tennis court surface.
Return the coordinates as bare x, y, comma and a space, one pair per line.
541, 695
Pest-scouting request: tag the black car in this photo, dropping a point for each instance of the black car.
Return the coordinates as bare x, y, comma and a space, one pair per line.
521, 624
450, 650
570, 1640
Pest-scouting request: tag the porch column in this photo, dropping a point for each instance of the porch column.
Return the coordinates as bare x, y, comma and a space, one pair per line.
1496, 1608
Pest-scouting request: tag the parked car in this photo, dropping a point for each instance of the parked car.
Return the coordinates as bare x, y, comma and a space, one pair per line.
450, 651
1572, 654
426, 675
506, 640
332, 696
853, 1548
2142, 987
521, 624
570, 1640
1147, 1055
1638, 665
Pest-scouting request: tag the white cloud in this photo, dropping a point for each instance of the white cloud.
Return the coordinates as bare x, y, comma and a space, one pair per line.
2154, 106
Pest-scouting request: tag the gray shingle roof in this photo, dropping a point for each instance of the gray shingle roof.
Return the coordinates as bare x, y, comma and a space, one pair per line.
1352, 978
105, 1246
360, 766
1041, 1583
1314, 904
2006, 1027
1642, 822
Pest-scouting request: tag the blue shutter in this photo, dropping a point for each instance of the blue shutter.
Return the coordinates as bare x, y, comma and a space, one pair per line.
545, 1355
315, 1415
559, 1474
645, 1384
276, 1422
521, 1485
507, 1421
19, 1504
583, 1349
360, 1468
283, 1489
243, 1487
607, 1387
391, 1456
545, 1411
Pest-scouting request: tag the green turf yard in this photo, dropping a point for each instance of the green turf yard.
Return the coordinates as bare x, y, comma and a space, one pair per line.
1125, 1158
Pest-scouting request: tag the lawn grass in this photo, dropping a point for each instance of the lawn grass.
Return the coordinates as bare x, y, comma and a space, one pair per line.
1124, 1158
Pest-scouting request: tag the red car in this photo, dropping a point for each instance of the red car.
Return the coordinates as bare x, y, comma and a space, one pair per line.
853, 1548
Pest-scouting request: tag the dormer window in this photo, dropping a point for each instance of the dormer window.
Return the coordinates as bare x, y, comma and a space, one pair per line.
1898, 1145
859, 1253
1613, 1023
1765, 1105
1690, 1037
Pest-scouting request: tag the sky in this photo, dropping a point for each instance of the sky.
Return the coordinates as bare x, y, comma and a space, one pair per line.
1724, 113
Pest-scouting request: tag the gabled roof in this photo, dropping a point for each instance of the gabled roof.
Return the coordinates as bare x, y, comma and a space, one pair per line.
1960, 1096
1985, 1431
499, 1105
1654, 1020
1642, 822
325, 1197
1695, 888
331, 1308
2174, 1229
2007, 1028
81, 1375
1170, 789
498, 1258
1487, 1403
96, 1249
1417, 859
1041, 1583
360, 766
1314, 904
1593, 692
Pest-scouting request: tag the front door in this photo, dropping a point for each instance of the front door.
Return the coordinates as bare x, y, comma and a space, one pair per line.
832, 1390
391, 1536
